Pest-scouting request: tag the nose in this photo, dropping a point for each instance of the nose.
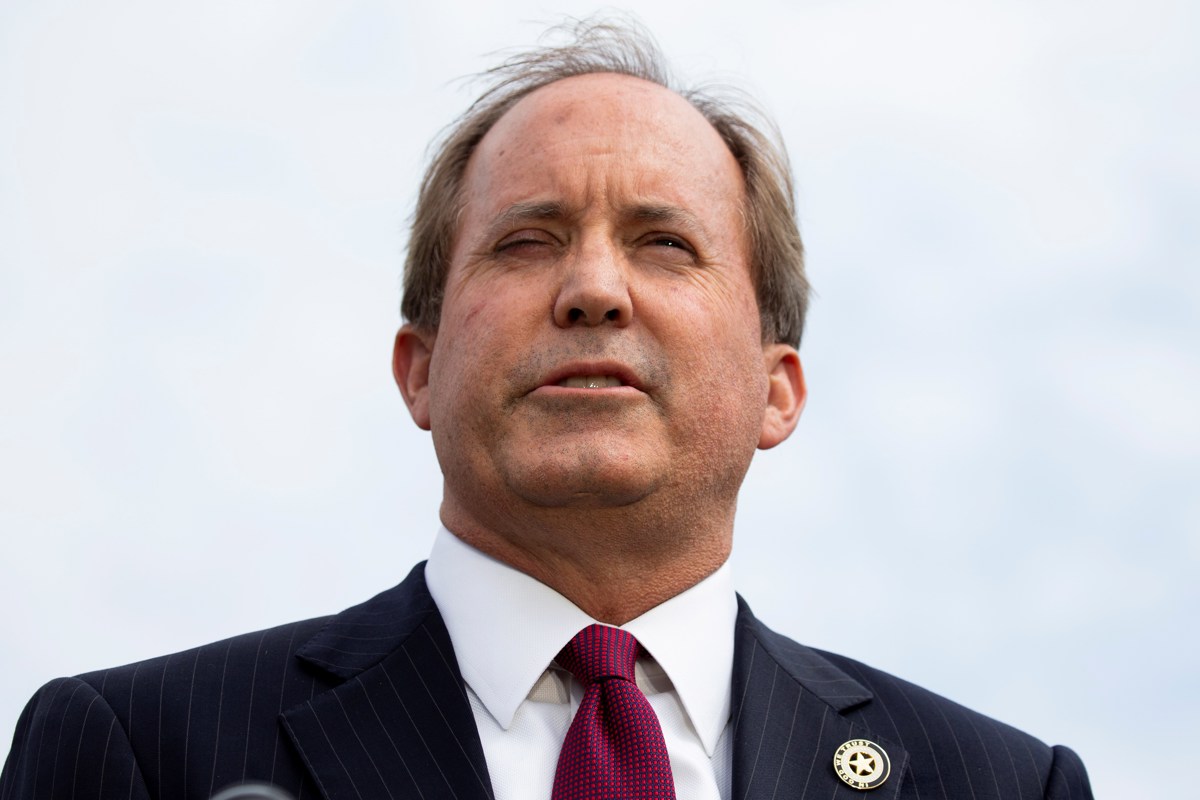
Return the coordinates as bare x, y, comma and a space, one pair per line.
594, 291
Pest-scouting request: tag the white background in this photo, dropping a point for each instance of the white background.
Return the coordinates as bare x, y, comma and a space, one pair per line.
993, 491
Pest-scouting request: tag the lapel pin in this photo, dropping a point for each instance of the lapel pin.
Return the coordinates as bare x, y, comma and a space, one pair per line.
862, 764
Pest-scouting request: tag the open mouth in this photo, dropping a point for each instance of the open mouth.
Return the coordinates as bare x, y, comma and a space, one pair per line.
590, 382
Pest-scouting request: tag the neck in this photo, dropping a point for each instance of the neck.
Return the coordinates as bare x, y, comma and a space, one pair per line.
614, 569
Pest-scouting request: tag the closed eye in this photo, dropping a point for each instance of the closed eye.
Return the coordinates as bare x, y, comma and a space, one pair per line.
525, 239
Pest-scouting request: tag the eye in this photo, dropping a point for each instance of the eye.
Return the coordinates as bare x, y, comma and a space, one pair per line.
667, 248
668, 240
524, 240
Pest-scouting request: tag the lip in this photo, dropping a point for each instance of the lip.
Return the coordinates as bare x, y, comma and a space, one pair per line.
585, 368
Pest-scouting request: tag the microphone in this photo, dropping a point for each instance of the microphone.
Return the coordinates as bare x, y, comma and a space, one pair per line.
252, 791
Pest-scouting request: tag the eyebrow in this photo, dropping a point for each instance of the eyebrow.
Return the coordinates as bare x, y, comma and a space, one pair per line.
540, 211
671, 215
518, 213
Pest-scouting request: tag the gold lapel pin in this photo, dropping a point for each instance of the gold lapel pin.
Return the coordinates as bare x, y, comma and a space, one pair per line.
862, 764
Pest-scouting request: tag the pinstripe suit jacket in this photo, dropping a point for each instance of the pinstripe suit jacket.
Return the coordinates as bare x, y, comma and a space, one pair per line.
370, 704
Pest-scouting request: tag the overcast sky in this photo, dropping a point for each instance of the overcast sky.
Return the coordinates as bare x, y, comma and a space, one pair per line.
993, 491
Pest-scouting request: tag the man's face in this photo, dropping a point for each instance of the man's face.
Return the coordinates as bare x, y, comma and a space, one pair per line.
599, 343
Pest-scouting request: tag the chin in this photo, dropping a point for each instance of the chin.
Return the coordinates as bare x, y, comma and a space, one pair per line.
585, 483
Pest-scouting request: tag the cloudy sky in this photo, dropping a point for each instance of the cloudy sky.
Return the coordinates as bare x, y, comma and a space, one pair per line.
993, 491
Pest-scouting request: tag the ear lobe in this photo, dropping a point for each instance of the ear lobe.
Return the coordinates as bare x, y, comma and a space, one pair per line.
786, 394
410, 366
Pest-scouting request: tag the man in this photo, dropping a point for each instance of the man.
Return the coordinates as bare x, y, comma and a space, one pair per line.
604, 295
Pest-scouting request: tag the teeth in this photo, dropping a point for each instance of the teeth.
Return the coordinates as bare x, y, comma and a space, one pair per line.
590, 382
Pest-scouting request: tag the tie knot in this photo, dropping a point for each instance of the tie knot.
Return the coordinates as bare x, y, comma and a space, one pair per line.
598, 652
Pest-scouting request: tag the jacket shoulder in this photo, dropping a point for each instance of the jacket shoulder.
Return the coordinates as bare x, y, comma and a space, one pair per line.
189, 723
269, 649
956, 751
947, 750
144, 729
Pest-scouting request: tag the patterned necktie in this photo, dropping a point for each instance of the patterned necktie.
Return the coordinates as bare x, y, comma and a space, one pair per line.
614, 749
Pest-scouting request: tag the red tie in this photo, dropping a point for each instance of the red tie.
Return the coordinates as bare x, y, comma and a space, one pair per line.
614, 749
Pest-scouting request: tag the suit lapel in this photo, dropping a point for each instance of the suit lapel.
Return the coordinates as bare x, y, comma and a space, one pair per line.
792, 709
400, 725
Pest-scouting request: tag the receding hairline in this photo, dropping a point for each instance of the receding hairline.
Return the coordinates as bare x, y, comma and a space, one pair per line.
513, 113
521, 112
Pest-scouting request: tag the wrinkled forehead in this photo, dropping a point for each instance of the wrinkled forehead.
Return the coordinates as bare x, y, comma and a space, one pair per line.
584, 119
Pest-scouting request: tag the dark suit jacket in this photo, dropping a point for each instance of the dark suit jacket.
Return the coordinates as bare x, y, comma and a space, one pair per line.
370, 704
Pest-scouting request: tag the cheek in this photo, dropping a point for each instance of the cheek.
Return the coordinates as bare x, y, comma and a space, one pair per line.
470, 313
719, 320
479, 341
727, 346
488, 301
477, 313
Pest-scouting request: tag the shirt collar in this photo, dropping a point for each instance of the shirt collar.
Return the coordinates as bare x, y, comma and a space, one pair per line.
507, 627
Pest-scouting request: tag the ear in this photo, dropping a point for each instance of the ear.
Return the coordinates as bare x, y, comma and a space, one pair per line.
410, 366
786, 394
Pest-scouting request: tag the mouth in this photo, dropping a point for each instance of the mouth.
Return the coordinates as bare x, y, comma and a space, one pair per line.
594, 376
590, 382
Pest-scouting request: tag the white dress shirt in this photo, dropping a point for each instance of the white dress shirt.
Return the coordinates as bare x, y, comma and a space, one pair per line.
507, 628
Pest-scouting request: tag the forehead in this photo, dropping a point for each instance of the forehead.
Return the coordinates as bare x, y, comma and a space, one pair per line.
605, 134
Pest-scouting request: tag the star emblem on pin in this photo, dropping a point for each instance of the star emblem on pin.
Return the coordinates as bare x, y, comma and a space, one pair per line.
862, 764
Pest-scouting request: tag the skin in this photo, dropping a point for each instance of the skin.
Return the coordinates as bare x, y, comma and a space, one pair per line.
602, 235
